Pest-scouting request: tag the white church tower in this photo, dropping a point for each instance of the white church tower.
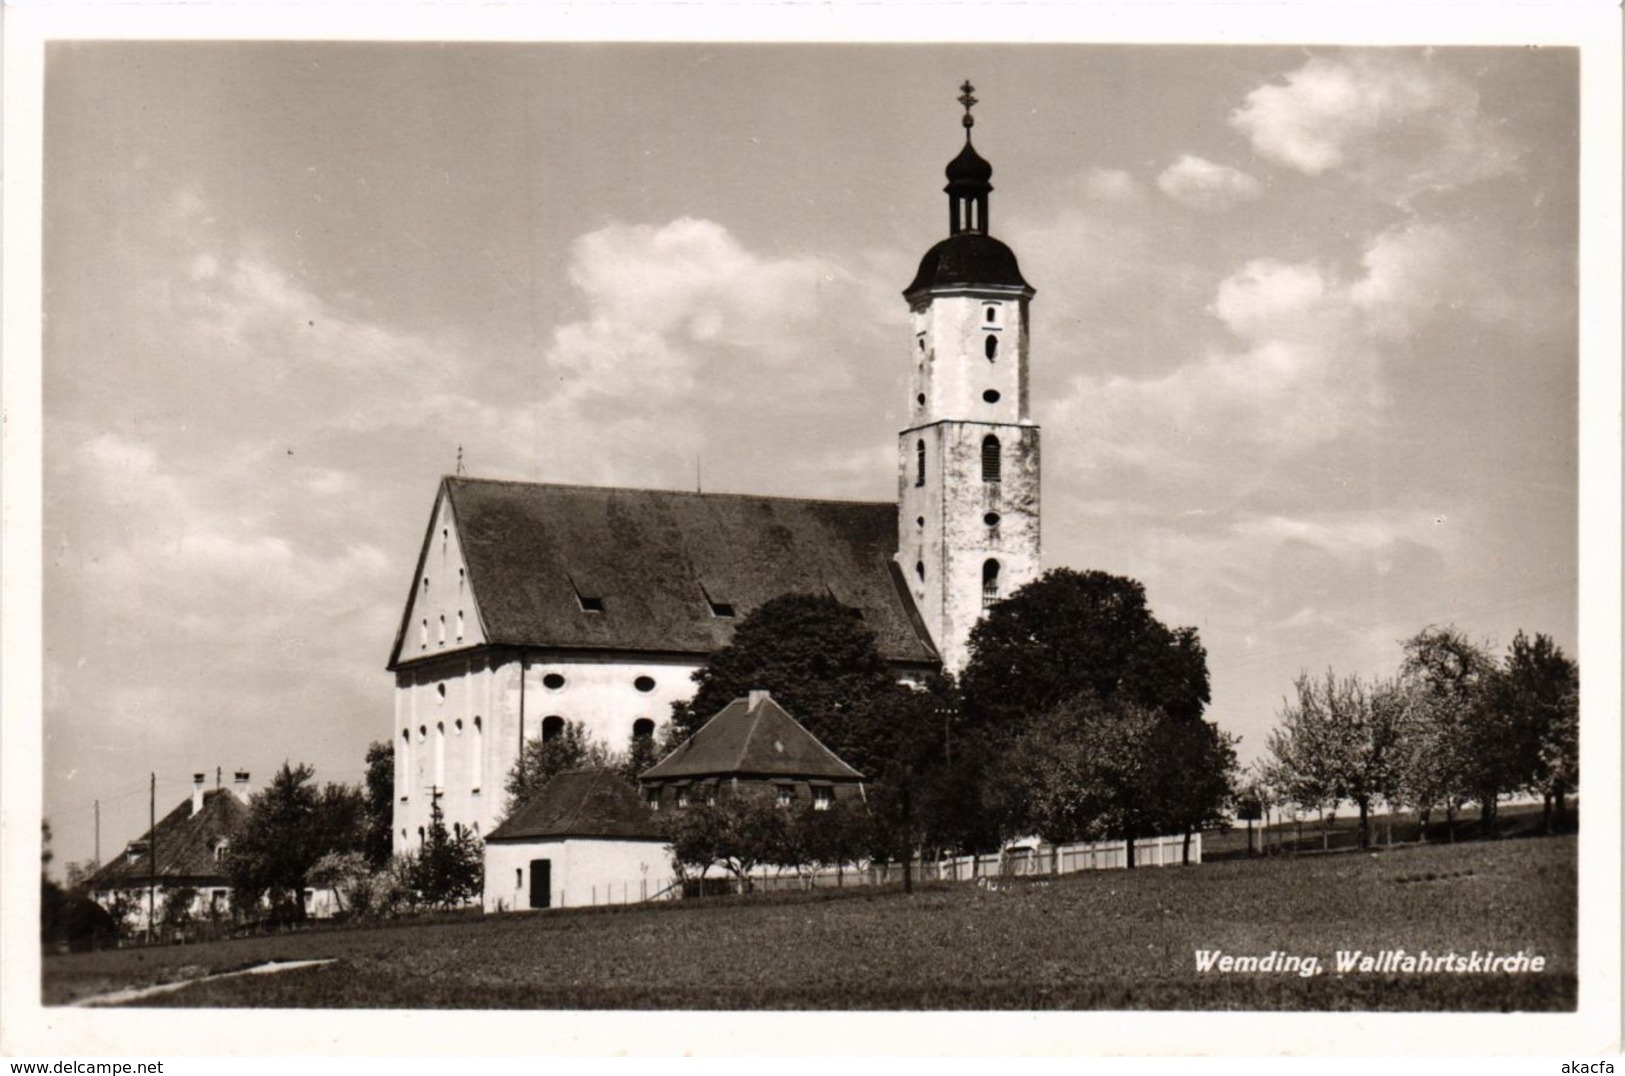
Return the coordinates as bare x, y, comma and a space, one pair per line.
968, 522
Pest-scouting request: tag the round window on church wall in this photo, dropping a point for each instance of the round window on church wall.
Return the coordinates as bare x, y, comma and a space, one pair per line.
991, 395
553, 681
644, 683
991, 519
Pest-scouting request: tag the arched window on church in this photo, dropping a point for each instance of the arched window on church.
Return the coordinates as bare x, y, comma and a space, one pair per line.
991, 347
552, 727
440, 755
919, 463
990, 583
643, 728
406, 764
477, 749
990, 458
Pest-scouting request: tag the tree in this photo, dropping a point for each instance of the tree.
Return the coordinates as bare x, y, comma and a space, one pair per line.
78, 875
380, 809
739, 831
1072, 634
342, 873
922, 791
813, 653
291, 824
343, 822
1538, 692
1252, 801
177, 914
641, 753
1197, 767
831, 837
53, 900
540, 761
449, 870
1464, 747
1341, 741
1089, 769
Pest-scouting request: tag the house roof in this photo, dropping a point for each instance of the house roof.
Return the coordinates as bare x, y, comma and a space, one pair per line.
185, 844
582, 803
659, 561
752, 736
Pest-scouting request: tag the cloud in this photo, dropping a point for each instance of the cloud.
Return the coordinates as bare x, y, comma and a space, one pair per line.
1398, 123
663, 300
1202, 185
1302, 360
1110, 185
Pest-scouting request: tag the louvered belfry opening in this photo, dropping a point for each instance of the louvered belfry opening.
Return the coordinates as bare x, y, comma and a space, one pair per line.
990, 458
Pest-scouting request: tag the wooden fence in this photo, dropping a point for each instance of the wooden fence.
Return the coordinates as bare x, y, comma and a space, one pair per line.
1027, 861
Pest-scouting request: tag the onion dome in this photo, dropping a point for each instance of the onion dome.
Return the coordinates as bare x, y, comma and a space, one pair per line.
969, 256
968, 167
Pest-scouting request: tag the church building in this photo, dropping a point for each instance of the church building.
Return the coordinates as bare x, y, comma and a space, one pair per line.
535, 604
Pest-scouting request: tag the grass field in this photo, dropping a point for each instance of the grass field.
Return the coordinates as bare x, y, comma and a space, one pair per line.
1101, 940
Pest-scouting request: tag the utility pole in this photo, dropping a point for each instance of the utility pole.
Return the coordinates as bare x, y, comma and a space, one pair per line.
152, 857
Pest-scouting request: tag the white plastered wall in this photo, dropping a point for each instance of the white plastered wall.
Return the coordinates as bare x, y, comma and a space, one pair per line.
584, 872
452, 693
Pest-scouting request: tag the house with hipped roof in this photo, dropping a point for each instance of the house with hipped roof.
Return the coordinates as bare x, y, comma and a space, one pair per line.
591, 837
586, 838
751, 744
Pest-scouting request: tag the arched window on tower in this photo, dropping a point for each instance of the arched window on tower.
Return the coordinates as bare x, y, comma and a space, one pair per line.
919, 463
991, 347
990, 583
990, 458
552, 728
643, 729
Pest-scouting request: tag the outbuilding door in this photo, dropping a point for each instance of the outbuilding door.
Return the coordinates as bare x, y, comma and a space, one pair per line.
541, 883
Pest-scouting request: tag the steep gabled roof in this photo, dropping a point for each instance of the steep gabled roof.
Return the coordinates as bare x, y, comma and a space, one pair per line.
752, 737
186, 844
582, 804
661, 564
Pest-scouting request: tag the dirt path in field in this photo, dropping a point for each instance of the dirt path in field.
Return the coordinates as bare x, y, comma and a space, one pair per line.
136, 993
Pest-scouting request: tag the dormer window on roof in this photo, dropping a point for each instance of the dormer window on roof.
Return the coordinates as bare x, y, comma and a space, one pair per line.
718, 606
589, 603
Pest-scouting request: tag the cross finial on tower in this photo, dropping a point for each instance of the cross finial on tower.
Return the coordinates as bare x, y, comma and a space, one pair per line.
967, 100
459, 460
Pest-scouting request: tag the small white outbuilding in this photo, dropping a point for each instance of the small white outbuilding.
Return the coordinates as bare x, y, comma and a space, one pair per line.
587, 838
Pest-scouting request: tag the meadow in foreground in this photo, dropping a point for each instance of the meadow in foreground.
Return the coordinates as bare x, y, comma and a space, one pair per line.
1103, 940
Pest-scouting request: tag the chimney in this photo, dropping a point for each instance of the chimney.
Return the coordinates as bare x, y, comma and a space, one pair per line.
197, 792
239, 784
757, 698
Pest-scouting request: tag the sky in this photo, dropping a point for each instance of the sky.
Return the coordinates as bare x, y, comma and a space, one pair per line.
1303, 346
